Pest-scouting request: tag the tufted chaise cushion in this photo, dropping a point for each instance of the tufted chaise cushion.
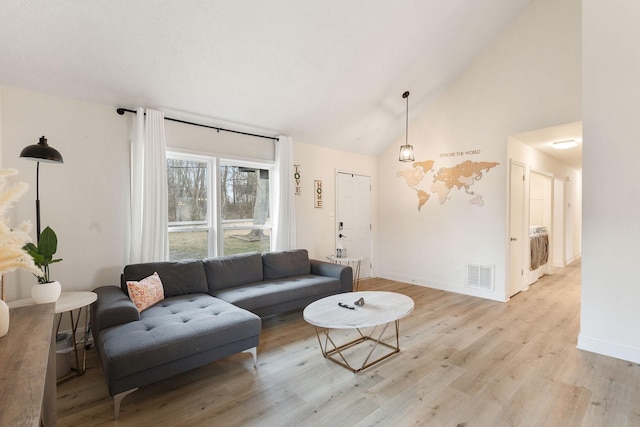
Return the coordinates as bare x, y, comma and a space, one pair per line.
171, 330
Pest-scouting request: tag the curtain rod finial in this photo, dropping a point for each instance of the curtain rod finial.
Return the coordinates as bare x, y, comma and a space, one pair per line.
120, 111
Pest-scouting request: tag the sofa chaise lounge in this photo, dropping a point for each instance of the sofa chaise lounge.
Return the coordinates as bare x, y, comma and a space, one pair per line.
211, 309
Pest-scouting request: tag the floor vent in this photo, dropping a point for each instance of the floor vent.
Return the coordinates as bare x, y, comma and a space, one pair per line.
480, 276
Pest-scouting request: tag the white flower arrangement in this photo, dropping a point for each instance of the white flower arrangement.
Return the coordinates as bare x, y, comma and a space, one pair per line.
12, 240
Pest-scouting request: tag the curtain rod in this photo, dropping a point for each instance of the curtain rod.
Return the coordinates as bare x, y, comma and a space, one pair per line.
121, 111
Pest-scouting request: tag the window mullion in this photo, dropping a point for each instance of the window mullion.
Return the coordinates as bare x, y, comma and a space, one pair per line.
214, 219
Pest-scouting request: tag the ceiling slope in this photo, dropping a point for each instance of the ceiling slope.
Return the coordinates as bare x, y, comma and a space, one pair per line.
324, 72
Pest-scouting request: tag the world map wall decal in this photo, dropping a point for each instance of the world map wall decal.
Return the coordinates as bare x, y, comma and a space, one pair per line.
461, 177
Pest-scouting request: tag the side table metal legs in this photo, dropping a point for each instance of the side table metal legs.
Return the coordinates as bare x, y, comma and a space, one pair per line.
79, 367
356, 275
354, 263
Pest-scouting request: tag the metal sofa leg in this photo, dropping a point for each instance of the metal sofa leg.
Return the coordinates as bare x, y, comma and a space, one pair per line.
117, 399
254, 353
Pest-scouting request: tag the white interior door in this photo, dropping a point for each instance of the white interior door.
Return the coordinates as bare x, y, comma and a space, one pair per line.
517, 236
353, 217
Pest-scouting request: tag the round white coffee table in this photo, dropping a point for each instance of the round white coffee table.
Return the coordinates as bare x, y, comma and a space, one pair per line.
380, 309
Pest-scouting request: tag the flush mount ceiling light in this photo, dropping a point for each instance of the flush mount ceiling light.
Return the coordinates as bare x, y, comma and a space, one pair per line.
563, 145
406, 150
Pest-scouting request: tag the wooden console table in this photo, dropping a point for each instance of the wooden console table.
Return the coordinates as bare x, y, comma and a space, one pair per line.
28, 374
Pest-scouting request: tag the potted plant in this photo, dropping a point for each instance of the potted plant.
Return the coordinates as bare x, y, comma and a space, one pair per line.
42, 254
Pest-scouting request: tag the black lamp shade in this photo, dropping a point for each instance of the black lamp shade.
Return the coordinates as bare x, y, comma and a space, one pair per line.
41, 152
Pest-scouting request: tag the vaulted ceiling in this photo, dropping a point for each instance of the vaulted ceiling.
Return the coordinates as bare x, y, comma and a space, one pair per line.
328, 72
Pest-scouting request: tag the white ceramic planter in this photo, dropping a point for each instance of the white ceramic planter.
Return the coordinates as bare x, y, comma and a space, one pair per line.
43, 293
4, 318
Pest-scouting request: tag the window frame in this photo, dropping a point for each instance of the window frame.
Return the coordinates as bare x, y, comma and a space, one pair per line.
247, 164
210, 225
214, 226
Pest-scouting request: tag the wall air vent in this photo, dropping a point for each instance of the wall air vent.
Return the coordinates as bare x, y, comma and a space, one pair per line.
480, 276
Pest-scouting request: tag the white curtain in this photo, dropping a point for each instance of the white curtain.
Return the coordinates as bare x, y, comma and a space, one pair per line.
149, 195
284, 218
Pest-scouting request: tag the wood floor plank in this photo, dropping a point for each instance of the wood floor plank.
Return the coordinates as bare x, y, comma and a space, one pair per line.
464, 361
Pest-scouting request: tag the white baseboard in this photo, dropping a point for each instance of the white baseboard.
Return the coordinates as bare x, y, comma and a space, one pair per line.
608, 348
449, 287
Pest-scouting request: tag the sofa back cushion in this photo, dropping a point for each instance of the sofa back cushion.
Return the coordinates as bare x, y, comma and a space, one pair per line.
233, 270
178, 278
278, 265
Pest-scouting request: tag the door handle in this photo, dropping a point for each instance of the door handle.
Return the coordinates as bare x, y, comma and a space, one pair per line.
513, 239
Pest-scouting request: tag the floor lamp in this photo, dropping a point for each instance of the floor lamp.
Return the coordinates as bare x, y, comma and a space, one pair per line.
40, 152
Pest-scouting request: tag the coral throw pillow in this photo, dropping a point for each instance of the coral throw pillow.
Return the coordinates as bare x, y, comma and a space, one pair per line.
146, 292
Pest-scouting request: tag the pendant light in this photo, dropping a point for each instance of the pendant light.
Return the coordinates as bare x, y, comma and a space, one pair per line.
406, 150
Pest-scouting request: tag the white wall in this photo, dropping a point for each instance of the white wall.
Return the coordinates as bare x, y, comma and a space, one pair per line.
315, 228
201, 140
529, 78
610, 312
85, 200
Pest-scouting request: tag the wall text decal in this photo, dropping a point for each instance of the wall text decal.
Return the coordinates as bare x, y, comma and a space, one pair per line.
318, 193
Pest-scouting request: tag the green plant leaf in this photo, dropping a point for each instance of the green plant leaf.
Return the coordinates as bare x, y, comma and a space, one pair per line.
48, 243
42, 254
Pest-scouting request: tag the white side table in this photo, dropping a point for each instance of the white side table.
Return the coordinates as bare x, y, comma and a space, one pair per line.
353, 262
70, 301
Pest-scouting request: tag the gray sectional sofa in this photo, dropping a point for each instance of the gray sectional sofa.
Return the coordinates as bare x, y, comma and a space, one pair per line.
212, 309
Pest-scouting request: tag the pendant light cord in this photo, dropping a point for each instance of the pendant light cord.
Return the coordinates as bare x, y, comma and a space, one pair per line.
406, 134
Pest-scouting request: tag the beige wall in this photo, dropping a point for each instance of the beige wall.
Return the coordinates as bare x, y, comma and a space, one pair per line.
316, 230
529, 78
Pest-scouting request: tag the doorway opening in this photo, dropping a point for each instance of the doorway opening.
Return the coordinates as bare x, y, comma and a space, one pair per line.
549, 209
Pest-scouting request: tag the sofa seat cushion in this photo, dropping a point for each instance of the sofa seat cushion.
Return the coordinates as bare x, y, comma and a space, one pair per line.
174, 328
272, 292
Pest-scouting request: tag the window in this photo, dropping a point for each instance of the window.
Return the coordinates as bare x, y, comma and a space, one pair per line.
246, 222
189, 219
240, 208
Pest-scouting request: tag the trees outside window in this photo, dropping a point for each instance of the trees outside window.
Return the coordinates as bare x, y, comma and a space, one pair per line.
189, 224
245, 214
239, 209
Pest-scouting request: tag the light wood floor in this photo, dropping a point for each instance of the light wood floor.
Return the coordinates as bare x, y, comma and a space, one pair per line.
464, 362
